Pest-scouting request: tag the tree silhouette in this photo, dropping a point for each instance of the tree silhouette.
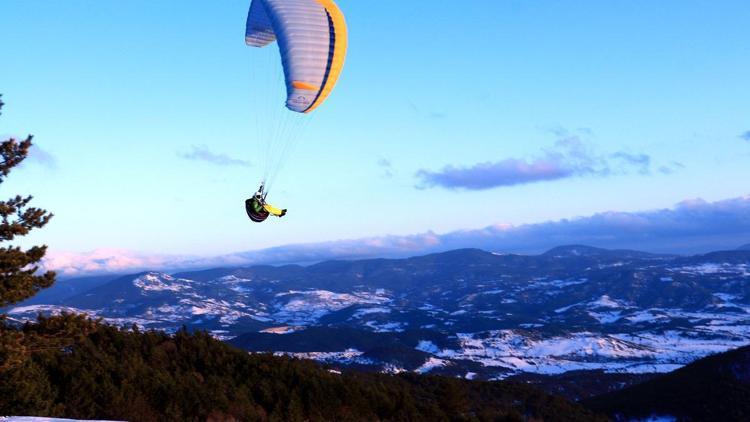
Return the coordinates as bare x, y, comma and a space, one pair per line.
19, 278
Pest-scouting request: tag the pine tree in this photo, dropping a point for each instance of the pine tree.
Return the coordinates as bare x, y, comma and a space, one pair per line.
19, 278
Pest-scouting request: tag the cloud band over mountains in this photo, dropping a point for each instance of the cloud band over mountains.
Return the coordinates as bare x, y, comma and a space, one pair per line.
692, 226
570, 157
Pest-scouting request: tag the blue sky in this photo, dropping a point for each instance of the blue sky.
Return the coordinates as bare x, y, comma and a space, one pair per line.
445, 118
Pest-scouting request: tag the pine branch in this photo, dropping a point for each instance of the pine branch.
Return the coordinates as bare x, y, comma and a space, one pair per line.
26, 219
12, 153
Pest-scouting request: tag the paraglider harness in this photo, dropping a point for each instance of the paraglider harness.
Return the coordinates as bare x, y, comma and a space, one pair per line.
254, 206
258, 209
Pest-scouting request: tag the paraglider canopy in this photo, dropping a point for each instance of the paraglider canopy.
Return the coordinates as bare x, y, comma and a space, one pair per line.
312, 41
312, 37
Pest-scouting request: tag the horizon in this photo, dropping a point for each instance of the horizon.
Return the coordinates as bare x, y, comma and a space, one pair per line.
395, 257
606, 125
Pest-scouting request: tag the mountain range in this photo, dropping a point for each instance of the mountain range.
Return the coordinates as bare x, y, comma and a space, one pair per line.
466, 313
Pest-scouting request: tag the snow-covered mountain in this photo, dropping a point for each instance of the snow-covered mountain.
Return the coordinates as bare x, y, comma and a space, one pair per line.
466, 313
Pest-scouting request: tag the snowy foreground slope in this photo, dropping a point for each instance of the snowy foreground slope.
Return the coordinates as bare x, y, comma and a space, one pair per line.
465, 313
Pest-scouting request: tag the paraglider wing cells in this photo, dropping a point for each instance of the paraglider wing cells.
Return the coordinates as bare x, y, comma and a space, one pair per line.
312, 39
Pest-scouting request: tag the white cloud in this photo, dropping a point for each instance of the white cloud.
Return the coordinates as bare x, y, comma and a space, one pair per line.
202, 153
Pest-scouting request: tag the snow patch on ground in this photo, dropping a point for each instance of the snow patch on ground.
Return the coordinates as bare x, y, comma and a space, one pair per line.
45, 310
606, 302
606, 317
431, 364
427, 346
588, 351
348, 356
233, 279
712, 268
306, 307
539, 283
387, 327
157, 282
286, 329
390, 368
367, 311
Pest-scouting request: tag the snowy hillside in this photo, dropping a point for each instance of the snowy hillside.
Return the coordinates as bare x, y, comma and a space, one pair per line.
466, 313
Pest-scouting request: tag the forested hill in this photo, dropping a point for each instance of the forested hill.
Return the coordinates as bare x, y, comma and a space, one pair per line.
716, 388
152, 376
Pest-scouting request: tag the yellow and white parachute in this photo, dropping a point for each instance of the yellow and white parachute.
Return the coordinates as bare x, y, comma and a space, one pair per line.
312, 39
